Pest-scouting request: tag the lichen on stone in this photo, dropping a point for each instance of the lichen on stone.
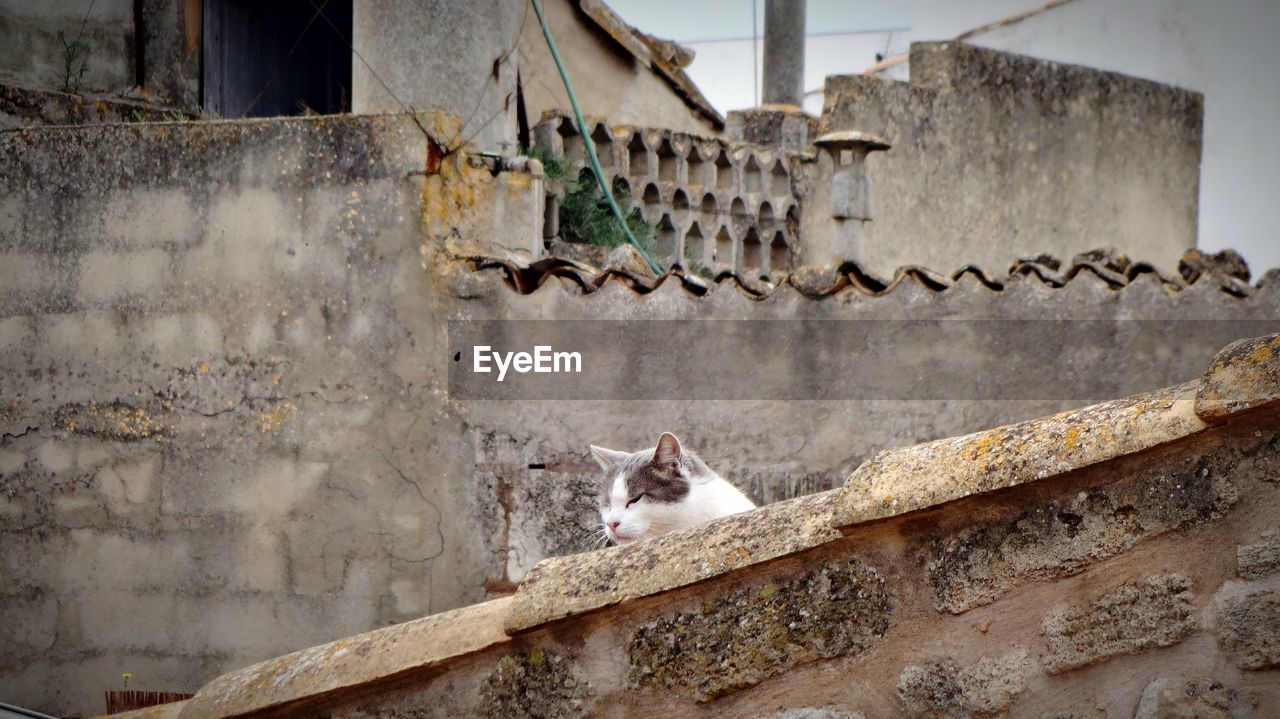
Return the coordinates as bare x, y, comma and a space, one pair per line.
941, 688
1061, 537
754, 633
1199, 697
1254, 561
1128, 619
538, 684
1250, 627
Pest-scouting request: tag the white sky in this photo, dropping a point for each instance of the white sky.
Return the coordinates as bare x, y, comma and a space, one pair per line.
1229, 51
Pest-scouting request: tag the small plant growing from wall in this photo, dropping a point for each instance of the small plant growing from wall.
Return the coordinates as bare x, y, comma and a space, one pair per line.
584, 214
75, 57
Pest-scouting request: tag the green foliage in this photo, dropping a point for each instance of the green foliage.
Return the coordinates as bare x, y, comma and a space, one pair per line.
584, 213
139, 114
75, 56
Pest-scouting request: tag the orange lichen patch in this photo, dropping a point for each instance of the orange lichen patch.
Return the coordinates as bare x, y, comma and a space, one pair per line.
1073, 436
204, 367
116, 420
449, 195
275, 420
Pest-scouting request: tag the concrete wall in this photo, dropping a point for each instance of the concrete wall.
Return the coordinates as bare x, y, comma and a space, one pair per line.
1009, 156
452, 57
33, 60
215, 344
224, 423
31, 55
1222, 51
608, 80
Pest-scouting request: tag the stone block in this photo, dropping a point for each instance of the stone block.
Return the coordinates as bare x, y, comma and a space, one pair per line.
537, 683
1194, 698
106, 276
749, 635
31, 622
943, 689
563, 586
1249, 626
1254, 561
113, 619
1244, 376
1130, 618
1062, 537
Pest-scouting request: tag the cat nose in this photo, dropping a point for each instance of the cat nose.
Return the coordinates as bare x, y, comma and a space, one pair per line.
613, 524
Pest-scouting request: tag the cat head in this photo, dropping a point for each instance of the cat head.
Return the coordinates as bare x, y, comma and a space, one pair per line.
643, 493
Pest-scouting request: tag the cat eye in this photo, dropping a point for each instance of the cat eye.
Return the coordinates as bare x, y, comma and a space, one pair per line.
635, 499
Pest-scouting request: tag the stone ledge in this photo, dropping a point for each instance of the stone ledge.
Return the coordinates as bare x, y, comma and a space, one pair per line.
363, 658
897, 481
1244, 376
562, 587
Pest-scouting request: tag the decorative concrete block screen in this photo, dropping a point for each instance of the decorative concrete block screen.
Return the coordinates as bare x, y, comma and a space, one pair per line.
724, 206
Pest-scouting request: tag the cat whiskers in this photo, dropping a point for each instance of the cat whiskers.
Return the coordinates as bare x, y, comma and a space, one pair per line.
599, 538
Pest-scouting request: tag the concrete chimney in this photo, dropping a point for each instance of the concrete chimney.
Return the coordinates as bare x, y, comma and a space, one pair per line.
784, 52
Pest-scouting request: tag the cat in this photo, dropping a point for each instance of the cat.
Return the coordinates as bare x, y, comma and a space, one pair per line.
656, 491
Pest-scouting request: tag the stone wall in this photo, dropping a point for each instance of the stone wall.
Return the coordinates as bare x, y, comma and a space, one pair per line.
225, 429
1008, 156
1119, 560
215, 344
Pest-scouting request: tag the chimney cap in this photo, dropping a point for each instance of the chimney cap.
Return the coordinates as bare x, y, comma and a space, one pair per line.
851, 139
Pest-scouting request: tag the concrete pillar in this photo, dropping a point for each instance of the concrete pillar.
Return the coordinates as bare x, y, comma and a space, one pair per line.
457, 57
784, 52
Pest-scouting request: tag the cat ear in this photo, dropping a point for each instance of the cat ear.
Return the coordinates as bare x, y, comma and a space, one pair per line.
607, 458
668, 451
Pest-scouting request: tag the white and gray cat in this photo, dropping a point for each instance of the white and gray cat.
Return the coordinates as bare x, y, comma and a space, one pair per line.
660, 490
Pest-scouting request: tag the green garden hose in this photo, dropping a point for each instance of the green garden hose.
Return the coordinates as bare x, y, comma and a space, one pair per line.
591, 146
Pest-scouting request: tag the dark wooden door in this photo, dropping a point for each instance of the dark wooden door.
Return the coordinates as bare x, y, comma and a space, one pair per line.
263, 59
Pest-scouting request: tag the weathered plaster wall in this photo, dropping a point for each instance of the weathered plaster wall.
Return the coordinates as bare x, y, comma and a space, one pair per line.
173, 32
1008, 156
444, 56
32, 55
608, 81
780, 449
35, 89
219, 436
